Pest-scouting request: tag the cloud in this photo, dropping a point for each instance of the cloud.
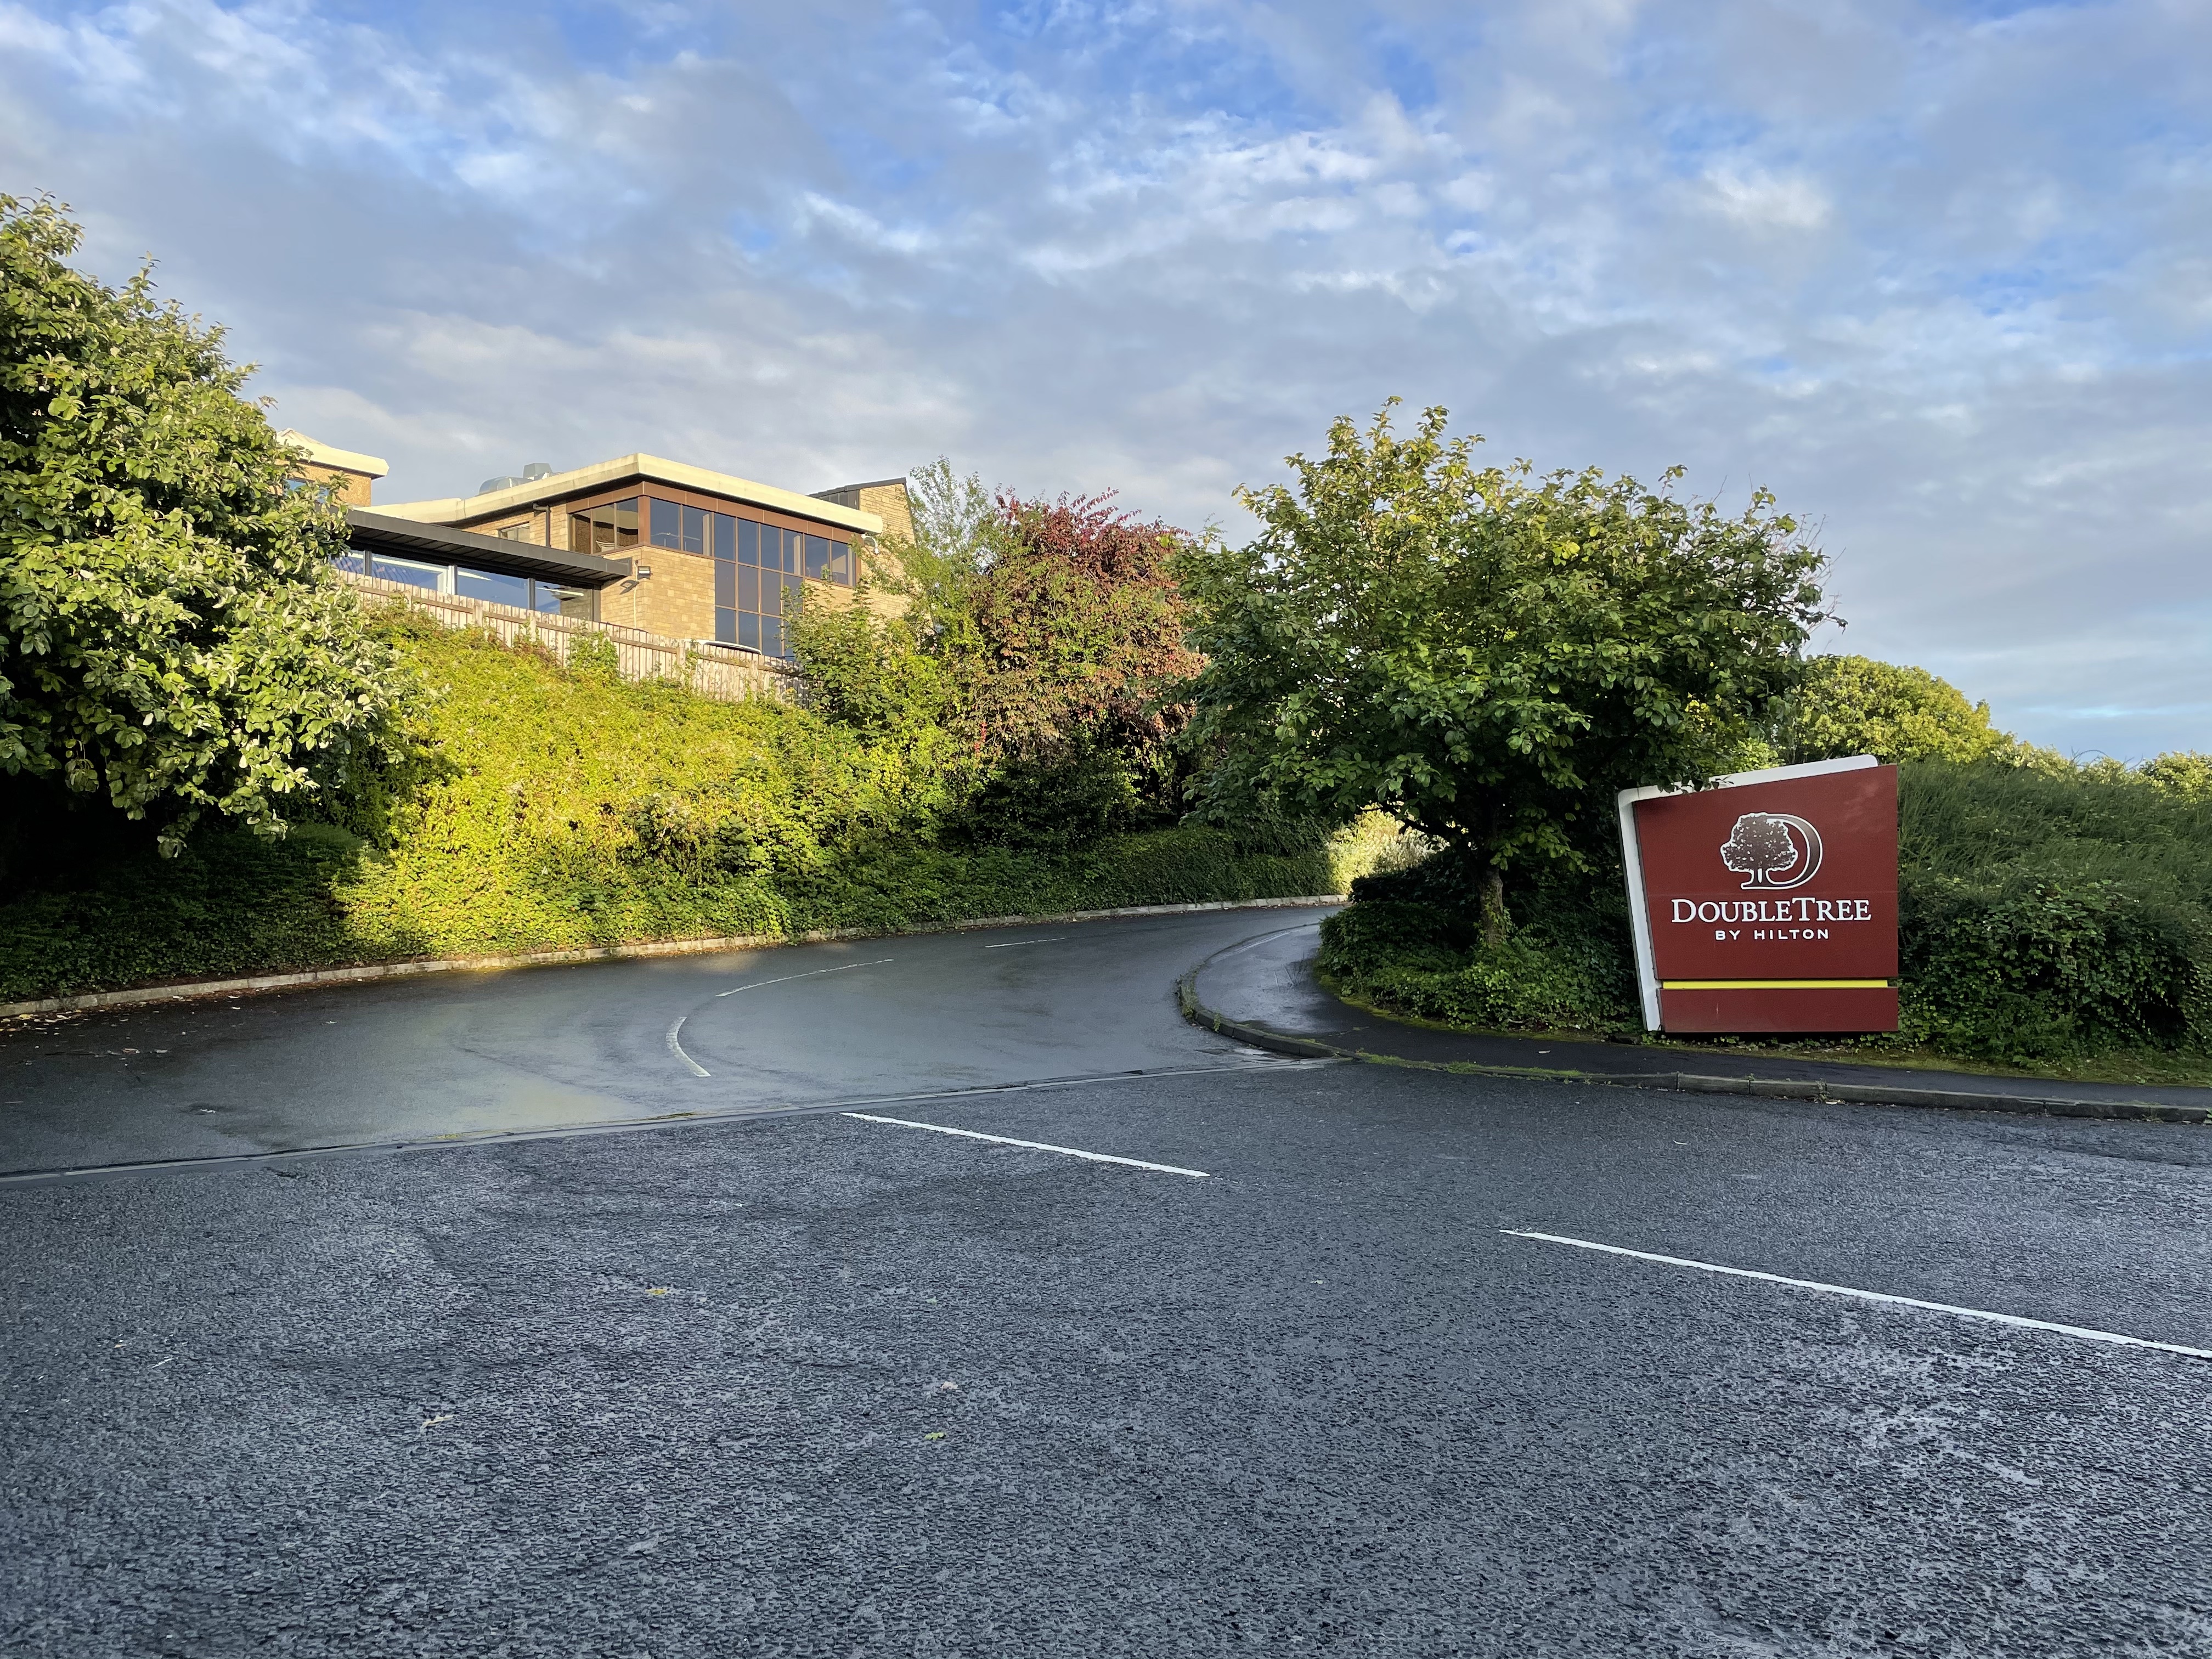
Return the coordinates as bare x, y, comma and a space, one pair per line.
1935, 275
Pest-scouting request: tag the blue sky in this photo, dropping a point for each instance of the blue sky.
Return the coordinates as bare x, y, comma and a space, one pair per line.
1939, 275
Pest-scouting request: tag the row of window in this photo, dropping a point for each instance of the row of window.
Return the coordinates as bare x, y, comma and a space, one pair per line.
608, 529
756, 565
522, 593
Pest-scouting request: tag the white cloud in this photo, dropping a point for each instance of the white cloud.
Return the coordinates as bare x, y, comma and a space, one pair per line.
1762, 201
1939, 282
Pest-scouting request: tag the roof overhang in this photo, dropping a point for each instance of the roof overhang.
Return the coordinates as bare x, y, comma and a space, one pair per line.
345, 461
584, 480
406, 538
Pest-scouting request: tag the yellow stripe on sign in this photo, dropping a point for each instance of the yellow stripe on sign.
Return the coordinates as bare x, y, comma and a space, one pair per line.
1774, 985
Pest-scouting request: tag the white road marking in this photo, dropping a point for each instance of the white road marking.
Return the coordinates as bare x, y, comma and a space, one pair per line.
841, 967
2082, 1331
1033, 1145
676, 1049
1012, 943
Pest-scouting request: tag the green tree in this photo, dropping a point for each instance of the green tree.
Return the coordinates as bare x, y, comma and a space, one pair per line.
1484, 654
1059, 630
171, 640
1857, 706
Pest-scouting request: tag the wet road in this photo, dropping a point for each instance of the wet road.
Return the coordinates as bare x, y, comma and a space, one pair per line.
486, 1053
1290, 1378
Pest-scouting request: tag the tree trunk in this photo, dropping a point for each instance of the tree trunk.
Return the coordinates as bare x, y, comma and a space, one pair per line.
1495, 921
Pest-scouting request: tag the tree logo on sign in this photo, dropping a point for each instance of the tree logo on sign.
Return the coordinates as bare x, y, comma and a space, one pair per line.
1775, 849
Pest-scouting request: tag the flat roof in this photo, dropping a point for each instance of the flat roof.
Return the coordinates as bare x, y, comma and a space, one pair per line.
579, 481
443, 544
322, 454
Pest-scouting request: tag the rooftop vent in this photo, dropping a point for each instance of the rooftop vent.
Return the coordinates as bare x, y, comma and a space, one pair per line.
533, 470
490, 485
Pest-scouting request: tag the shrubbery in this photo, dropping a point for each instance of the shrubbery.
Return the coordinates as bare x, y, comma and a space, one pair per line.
2046, 916
543, 808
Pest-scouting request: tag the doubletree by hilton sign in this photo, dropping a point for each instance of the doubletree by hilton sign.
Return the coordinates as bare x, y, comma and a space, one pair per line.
1769, 903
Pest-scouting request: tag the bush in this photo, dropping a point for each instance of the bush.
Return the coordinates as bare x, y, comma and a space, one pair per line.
540, 808
1411, 943
2047, 915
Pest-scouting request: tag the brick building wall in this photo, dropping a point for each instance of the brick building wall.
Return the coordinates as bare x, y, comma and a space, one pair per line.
353, 487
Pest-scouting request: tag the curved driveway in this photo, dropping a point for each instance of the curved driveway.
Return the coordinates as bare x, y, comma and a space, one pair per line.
551, 1047
1299, 1358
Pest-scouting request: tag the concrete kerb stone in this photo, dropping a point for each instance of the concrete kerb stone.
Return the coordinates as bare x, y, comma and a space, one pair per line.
681, 947
1774, 1088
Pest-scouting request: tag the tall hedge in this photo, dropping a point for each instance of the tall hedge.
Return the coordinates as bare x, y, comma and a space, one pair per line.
547, 808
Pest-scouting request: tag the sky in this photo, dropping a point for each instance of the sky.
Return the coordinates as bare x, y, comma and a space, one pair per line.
1938, 276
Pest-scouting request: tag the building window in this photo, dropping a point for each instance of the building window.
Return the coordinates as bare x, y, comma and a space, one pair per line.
497, 589
410, 571
521, 593
684, 528
756, 573
552, 599
605, 529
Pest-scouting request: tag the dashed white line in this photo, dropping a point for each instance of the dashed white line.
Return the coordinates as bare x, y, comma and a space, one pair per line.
1013, 944
676, 1049
2082, 1331
1032, 1146
841, 967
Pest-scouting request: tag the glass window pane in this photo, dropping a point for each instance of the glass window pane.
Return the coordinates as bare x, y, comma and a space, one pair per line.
726, 538
489, 584
748, 588
356, 562
771, 637
545, 597
580, 539
792, 539
405, 570
841, 563
749, 629
695, 530
726, 625
748, 541
668, 523
725, 582
818, 558
771, 603
624, 517
582, 603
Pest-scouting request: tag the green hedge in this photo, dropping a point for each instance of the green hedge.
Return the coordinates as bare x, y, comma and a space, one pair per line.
551, 809
2046, 918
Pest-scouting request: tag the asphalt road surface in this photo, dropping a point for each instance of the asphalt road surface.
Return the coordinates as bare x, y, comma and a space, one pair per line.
791, 1375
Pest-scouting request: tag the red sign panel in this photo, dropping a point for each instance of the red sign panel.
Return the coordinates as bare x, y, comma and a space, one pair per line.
1772, 906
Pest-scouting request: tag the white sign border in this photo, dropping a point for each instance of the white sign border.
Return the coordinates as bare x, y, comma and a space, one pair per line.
1632, 859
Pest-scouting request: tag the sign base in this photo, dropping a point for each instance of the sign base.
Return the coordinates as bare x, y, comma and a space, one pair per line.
1713, 1007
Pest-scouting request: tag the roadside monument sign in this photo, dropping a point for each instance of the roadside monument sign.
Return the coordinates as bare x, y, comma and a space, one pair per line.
1767, 902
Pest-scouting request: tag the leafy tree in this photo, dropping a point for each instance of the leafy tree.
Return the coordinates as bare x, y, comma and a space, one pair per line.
1485, 655
1082, 626
2182, 773
862, 672
172, 641
1857, 706
1059, 628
